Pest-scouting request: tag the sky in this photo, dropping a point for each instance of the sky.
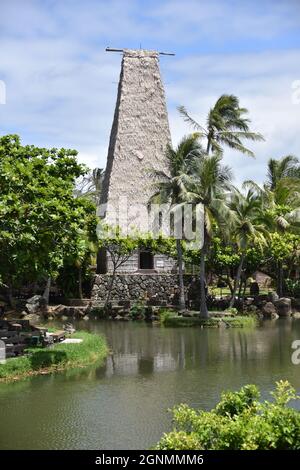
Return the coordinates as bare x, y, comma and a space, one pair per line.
60, 85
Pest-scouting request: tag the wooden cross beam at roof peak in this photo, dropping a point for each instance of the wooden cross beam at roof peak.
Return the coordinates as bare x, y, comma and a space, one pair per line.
111, 49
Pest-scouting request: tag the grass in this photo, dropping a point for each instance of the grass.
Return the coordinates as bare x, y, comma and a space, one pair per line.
231, 322
59, 357
225, 291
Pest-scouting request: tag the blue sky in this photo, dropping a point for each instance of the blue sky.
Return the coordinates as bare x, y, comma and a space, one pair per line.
61, 85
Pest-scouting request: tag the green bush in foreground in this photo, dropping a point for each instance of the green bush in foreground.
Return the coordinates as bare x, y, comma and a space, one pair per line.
238, 422
58, 357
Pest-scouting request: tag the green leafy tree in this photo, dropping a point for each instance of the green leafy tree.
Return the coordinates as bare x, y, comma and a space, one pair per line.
119, 249
39, 216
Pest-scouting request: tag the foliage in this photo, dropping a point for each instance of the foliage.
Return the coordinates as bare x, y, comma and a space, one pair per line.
172, 189
165, 314
238, 422
292, 286
232, 310
61, 356
241, 321
90, 185
227, 124
98, 312
211, 322
41, 223
137, 311
284, 246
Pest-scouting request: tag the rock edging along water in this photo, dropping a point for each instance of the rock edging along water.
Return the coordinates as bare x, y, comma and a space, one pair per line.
59, 357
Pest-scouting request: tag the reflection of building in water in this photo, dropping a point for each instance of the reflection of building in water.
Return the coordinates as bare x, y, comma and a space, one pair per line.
145, 351
133, 364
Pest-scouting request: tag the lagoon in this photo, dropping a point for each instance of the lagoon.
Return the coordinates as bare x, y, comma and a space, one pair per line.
123, 403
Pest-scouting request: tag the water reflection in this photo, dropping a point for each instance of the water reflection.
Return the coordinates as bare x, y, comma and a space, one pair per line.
122, 403
139, 349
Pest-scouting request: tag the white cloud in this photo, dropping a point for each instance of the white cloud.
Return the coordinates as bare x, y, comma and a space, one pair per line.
263, 82
61, 85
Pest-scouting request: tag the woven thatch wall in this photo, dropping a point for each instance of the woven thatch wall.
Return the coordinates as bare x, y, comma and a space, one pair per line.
140, 132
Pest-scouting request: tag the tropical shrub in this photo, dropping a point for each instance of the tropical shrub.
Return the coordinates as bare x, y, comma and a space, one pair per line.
165, 314
137, 311
238, 422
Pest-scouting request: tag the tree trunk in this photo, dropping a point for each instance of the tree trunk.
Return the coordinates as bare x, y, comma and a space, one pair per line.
10, 297
228, 281
240, 288
203, 306
280, 279
244, 289
80, 282
180, 273
46, 293
237, 280
110, 287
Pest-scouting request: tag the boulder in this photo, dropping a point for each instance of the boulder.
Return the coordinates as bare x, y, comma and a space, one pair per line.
32, 317
273, 296
36, 304
284, 307
269, 310
296, 304
187, 313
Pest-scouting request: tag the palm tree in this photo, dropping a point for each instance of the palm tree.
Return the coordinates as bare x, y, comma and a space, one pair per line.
171, 189
226, 125
281, 198
208, 185
248, 227
90, 185
286, 167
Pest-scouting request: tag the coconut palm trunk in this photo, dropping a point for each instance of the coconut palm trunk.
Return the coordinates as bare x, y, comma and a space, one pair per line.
203, 305
180, 273
46, 293
237, 279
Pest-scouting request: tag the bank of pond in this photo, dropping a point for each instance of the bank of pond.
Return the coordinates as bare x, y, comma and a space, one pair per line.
84, 351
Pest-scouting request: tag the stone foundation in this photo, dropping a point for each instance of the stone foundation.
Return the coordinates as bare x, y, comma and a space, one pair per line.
160, 288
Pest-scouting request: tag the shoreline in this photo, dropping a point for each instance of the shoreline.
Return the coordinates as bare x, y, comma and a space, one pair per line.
44, 361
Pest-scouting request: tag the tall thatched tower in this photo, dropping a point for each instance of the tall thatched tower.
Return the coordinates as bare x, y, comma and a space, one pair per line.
139, 136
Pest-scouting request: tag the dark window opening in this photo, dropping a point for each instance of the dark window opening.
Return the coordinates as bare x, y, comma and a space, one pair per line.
146, 260
102, 261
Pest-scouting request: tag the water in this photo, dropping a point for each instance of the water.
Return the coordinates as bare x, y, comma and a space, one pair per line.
123, 404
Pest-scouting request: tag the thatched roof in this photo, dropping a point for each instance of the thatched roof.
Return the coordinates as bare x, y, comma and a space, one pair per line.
140, 131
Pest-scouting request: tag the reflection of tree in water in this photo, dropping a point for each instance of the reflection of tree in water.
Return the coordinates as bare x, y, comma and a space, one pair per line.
145, 350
